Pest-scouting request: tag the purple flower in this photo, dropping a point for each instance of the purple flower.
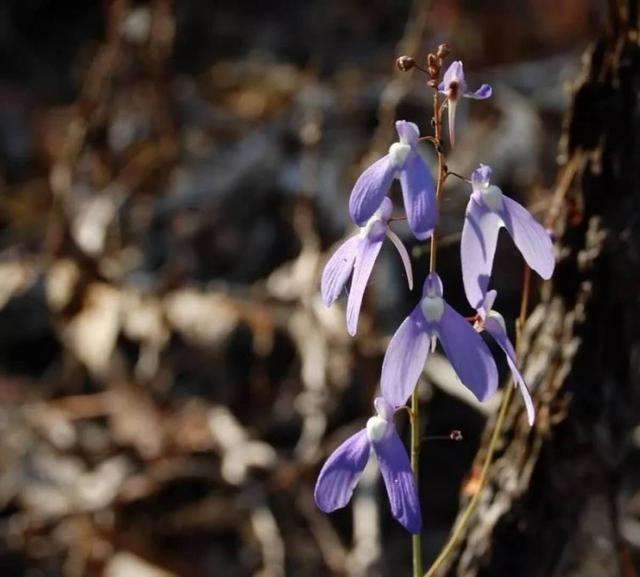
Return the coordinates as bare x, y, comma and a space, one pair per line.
487, 211
418, 188
409, 348
357, 255
342, 470
493, 322
453, 85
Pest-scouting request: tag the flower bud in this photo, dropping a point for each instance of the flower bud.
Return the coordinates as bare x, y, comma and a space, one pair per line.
432, 60
405, 63
443, 50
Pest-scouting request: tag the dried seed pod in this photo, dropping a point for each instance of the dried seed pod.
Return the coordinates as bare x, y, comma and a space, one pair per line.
405, 63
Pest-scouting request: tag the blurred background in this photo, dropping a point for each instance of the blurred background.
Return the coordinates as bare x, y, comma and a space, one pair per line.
173, 177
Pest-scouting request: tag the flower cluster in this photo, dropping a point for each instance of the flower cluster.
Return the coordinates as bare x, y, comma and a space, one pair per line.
433, 319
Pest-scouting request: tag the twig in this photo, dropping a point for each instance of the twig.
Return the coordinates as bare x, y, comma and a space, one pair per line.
450, 172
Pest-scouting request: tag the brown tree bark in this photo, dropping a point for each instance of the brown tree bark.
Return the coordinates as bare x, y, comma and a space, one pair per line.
557, 494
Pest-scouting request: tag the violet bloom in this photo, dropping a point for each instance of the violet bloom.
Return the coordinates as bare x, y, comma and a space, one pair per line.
418, 188
487, 211
357, 255
409, 348
342, 470
493, 322
454, 86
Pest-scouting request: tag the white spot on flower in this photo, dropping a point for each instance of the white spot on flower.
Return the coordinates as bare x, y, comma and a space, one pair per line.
398, 153
377, 428
492, 198
432, 308
374, 227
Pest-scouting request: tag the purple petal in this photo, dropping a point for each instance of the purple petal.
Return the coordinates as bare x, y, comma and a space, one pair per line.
487, 303
483, 92
481, 176
386, 209
404, 360
338, 270
408, 132
455, 73
366, 255
370, 189
531, 238
477, 249
433, 286
419, 194
404, 256
341, 472
398, 479
468, 354
495, 329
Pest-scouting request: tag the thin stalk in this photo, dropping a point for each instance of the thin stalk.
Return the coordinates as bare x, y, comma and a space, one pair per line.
442, 175
416, 540
471, 507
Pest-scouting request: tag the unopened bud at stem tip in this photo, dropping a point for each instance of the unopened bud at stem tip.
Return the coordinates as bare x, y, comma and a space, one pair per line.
405, 63
443, 50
